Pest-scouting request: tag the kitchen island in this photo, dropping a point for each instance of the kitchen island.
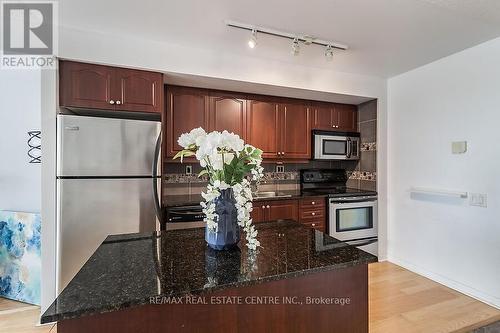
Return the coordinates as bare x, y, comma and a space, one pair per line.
299, 280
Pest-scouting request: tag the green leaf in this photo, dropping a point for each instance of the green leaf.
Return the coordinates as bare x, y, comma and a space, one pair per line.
203, 172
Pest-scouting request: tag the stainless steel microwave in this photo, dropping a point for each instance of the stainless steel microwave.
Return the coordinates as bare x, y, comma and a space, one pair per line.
336, 145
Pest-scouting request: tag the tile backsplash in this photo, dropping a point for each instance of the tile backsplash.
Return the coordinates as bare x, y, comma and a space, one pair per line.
365, 172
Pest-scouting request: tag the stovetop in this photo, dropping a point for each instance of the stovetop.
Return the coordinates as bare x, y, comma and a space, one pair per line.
330, 182
336, 192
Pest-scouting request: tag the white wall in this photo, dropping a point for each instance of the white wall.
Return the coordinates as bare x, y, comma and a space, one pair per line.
20, 181
455, 98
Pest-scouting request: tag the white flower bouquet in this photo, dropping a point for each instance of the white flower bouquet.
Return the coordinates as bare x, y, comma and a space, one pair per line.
227, 161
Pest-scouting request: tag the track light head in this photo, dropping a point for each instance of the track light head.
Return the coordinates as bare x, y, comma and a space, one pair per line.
252, 42
295, 47
329, 53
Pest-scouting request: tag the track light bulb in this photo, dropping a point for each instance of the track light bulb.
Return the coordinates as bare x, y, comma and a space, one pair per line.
329, 53
295, 47
252, 42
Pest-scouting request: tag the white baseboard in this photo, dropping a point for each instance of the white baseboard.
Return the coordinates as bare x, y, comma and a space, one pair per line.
448, 282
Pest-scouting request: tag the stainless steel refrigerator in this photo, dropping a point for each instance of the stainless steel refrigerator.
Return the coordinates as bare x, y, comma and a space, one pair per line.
108, 180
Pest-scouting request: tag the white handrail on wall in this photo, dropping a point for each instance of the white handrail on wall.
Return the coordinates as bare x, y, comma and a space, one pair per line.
434, 191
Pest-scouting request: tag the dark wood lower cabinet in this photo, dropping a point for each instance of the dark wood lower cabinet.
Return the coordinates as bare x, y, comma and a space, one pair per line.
350, 283
310, 211
275, 210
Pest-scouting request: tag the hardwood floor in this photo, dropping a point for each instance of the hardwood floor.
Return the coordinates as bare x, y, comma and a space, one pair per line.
400, 301
17, 317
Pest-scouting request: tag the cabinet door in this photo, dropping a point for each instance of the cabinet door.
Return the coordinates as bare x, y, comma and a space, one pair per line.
86, 85
323, 117
228, 112
348, 117
258, 213
138, 90
295, 132
187, 108
282, 210
263, 126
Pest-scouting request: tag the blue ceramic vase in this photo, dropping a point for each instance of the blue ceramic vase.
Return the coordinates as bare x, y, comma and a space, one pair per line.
227, 235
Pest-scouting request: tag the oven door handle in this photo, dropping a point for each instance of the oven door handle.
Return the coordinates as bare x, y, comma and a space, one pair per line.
349, 148
348, 201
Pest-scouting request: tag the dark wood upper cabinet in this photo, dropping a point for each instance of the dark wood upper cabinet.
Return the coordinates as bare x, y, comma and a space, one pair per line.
323, 116
347, 117
86, 85
295, 131
281, 127
139, 90
109, 88
331, 117
228, 112
187, 108
263, 126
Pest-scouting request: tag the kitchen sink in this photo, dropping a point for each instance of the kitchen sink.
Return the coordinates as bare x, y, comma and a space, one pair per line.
260, 195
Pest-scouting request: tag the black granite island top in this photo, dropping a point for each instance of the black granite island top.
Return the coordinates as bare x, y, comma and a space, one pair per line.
128, 270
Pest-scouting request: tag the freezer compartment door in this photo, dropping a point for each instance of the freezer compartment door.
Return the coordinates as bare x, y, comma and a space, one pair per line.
96, 146
91, 209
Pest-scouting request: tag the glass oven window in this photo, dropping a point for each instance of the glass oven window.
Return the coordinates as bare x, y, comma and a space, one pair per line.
359, 218
334, 147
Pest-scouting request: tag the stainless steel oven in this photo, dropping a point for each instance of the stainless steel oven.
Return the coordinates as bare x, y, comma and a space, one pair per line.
353, 218
336, 145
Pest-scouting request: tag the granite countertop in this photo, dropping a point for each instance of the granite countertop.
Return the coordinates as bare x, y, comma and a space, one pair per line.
194, 199
127, 270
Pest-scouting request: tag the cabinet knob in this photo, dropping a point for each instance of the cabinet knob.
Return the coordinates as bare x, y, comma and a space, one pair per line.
111, 102
279, 153
313, 203
282, 153
313, 214
313, 224
268, 206
263, 207
118, 102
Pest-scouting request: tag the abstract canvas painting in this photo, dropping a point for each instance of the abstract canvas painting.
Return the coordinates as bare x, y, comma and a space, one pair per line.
20, 264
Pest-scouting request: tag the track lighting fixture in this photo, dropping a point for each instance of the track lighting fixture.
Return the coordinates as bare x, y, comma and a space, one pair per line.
295, 47
329, 53
296, 39
252, 42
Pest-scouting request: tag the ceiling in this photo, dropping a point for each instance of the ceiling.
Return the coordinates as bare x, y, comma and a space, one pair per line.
386, 37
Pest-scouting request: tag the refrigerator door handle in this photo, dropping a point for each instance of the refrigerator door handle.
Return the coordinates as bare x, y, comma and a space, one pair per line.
155, 178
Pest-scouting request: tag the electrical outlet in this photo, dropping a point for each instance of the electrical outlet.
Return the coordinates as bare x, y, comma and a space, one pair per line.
479, 199
280, 168
189, 169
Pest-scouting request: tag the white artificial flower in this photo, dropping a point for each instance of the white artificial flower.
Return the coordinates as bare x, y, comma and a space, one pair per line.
195, 137
184, 140
228, 157
198, 135
232, 141
216, 160
221, 185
